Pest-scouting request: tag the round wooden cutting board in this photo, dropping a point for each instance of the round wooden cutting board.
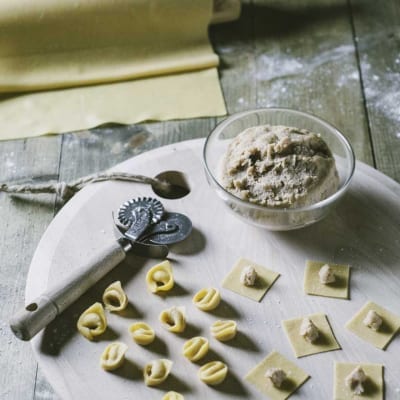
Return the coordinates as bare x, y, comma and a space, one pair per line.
364, 232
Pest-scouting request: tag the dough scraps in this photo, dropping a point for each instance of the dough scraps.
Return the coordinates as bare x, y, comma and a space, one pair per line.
338, 289
380, 338
295, 377
264, 281
301, 347
374, 385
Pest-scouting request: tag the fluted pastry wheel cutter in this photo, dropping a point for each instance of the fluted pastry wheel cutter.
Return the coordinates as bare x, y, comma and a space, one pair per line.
143, 227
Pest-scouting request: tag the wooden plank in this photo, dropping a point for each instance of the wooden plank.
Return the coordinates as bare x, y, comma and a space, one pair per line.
24, 220
234, 43
306, 60
376, 28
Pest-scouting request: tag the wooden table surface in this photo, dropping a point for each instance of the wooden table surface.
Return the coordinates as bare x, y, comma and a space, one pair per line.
337, 59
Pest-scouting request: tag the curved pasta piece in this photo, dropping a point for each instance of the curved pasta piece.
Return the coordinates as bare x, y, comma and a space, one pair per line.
160, 278
207, 299
195, 348
114, 297
173, 396
224, 330
156, 371
142, 333
213, 373
173, 319
113, 356
92, 321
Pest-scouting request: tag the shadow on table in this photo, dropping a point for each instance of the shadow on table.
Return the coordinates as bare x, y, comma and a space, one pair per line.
268, 21
363, 231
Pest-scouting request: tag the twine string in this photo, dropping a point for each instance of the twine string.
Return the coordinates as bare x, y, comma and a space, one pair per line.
66, 190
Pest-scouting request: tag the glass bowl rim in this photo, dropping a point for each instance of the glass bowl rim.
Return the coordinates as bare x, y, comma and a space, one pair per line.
320, 204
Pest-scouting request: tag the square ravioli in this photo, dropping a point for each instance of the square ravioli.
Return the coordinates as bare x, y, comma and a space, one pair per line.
373, 386
338, 289
301, 347
265, 279
295, 377
383, 336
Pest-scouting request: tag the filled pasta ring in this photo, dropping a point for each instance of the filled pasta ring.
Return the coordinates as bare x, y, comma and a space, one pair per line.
113, 356
207, 299
142, 333
156, 371
173, 396
195, 348
160, 277
114, 297
92, 321
173, 319
224, 330
213, 373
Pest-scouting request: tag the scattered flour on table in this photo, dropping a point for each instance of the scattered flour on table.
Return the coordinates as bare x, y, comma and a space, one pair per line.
286, 74
382, 92
284, 64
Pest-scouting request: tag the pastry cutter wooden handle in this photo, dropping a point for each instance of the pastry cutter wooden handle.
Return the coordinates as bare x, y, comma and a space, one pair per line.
40, 312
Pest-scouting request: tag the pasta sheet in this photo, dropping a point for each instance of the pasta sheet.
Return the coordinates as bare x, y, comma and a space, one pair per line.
142, 60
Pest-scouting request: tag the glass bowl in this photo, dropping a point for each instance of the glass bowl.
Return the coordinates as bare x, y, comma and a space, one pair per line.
279, 219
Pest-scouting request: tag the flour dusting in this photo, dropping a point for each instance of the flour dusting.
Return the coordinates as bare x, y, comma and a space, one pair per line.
287, 75
382, 91
282, 65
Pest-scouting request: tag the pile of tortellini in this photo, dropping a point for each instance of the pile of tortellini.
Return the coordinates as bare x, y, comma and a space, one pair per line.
159, 278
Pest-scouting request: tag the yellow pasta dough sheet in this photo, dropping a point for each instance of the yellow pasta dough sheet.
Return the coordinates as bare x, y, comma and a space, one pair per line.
121, 61
51, 44
301, 347
186, 95
338, 289
373, 387
384, 335
295, 377
265, 279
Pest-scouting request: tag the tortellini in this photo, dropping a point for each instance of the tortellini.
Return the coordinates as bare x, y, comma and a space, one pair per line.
142, 333
114, 297
173, 396
213, 373
207, 299
224, 330
173, 319
92, 321
156, 371
160, 278
195, 348
113, 356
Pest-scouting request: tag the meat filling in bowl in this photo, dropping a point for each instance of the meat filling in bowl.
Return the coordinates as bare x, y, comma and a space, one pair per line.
279, 166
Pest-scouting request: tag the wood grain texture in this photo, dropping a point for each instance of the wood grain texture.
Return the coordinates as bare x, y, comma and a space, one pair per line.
305, 59
23, 222
234, 43
378, 45
361, 232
